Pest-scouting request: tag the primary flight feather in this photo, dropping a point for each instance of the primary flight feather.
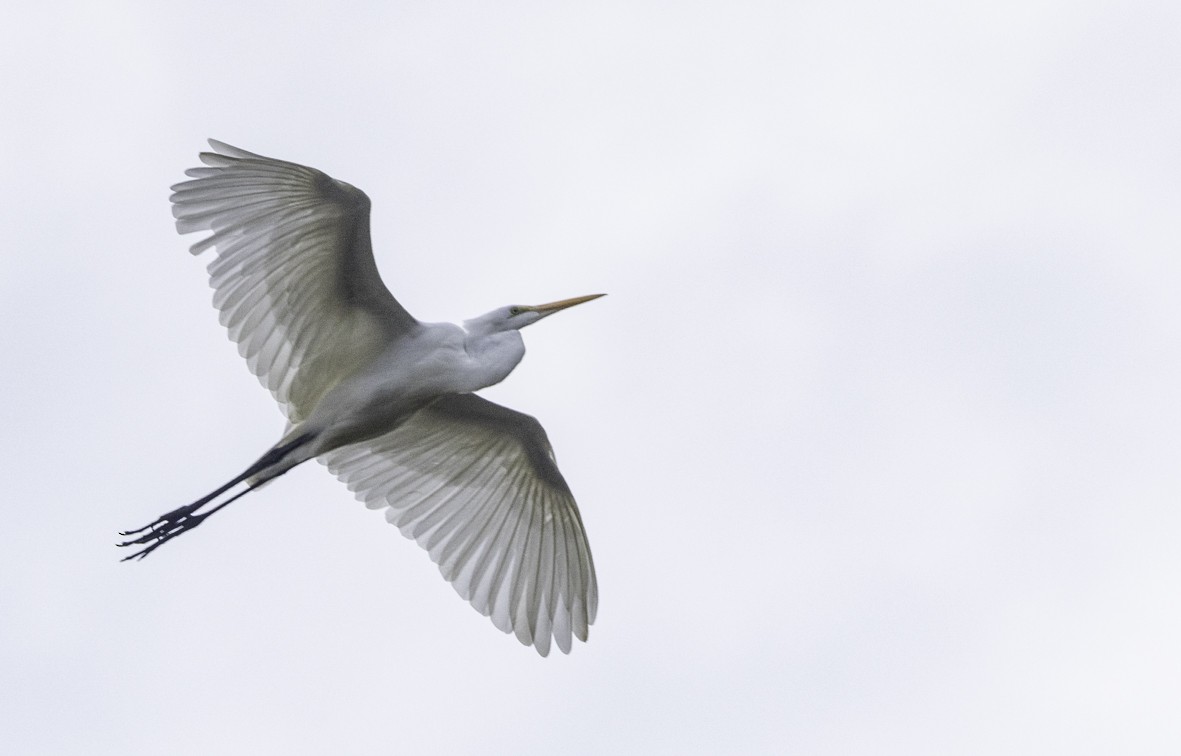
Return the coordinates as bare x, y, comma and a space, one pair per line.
385, 401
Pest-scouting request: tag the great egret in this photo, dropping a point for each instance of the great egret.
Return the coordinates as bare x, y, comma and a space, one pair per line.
384, 400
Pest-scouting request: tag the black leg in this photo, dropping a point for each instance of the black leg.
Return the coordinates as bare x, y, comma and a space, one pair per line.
168, 526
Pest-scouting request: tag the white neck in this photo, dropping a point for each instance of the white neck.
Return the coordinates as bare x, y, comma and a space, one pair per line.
493, 355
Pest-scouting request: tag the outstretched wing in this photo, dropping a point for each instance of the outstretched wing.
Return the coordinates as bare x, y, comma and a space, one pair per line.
294, 276
476, 485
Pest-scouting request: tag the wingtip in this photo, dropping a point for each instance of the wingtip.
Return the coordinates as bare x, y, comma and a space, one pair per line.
229, 150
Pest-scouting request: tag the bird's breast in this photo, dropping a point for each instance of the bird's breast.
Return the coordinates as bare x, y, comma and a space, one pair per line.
384, 393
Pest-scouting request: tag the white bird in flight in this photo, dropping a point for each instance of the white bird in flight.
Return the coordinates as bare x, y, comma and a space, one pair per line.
385, 401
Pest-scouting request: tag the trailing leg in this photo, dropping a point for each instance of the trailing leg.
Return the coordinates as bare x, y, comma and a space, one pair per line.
183, 519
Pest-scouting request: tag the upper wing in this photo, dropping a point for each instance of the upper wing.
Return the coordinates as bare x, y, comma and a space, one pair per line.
294, 276
476, 485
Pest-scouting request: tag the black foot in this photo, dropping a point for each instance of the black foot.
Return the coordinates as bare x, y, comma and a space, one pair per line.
163, 529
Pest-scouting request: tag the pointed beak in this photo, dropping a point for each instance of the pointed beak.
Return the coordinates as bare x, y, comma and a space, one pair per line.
562, 304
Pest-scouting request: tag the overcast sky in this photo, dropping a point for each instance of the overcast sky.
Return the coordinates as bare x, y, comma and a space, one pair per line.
875, 437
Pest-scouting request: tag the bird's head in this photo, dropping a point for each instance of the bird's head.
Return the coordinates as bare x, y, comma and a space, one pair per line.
516, 317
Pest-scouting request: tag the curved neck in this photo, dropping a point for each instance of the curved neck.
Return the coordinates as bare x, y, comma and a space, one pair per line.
493, 356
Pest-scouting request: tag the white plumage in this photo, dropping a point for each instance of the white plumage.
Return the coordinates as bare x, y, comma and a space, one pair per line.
384, 400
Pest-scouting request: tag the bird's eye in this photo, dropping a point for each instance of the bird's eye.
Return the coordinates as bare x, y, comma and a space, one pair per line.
514, 311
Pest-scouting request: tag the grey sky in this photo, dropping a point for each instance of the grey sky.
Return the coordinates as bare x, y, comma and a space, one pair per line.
875, 437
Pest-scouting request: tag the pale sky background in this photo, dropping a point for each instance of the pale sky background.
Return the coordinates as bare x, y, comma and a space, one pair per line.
875, 437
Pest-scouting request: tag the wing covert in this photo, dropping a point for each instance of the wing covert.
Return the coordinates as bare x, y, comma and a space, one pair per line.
476, 485
294, 277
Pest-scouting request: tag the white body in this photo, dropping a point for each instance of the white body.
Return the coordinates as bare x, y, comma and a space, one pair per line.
440, 359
